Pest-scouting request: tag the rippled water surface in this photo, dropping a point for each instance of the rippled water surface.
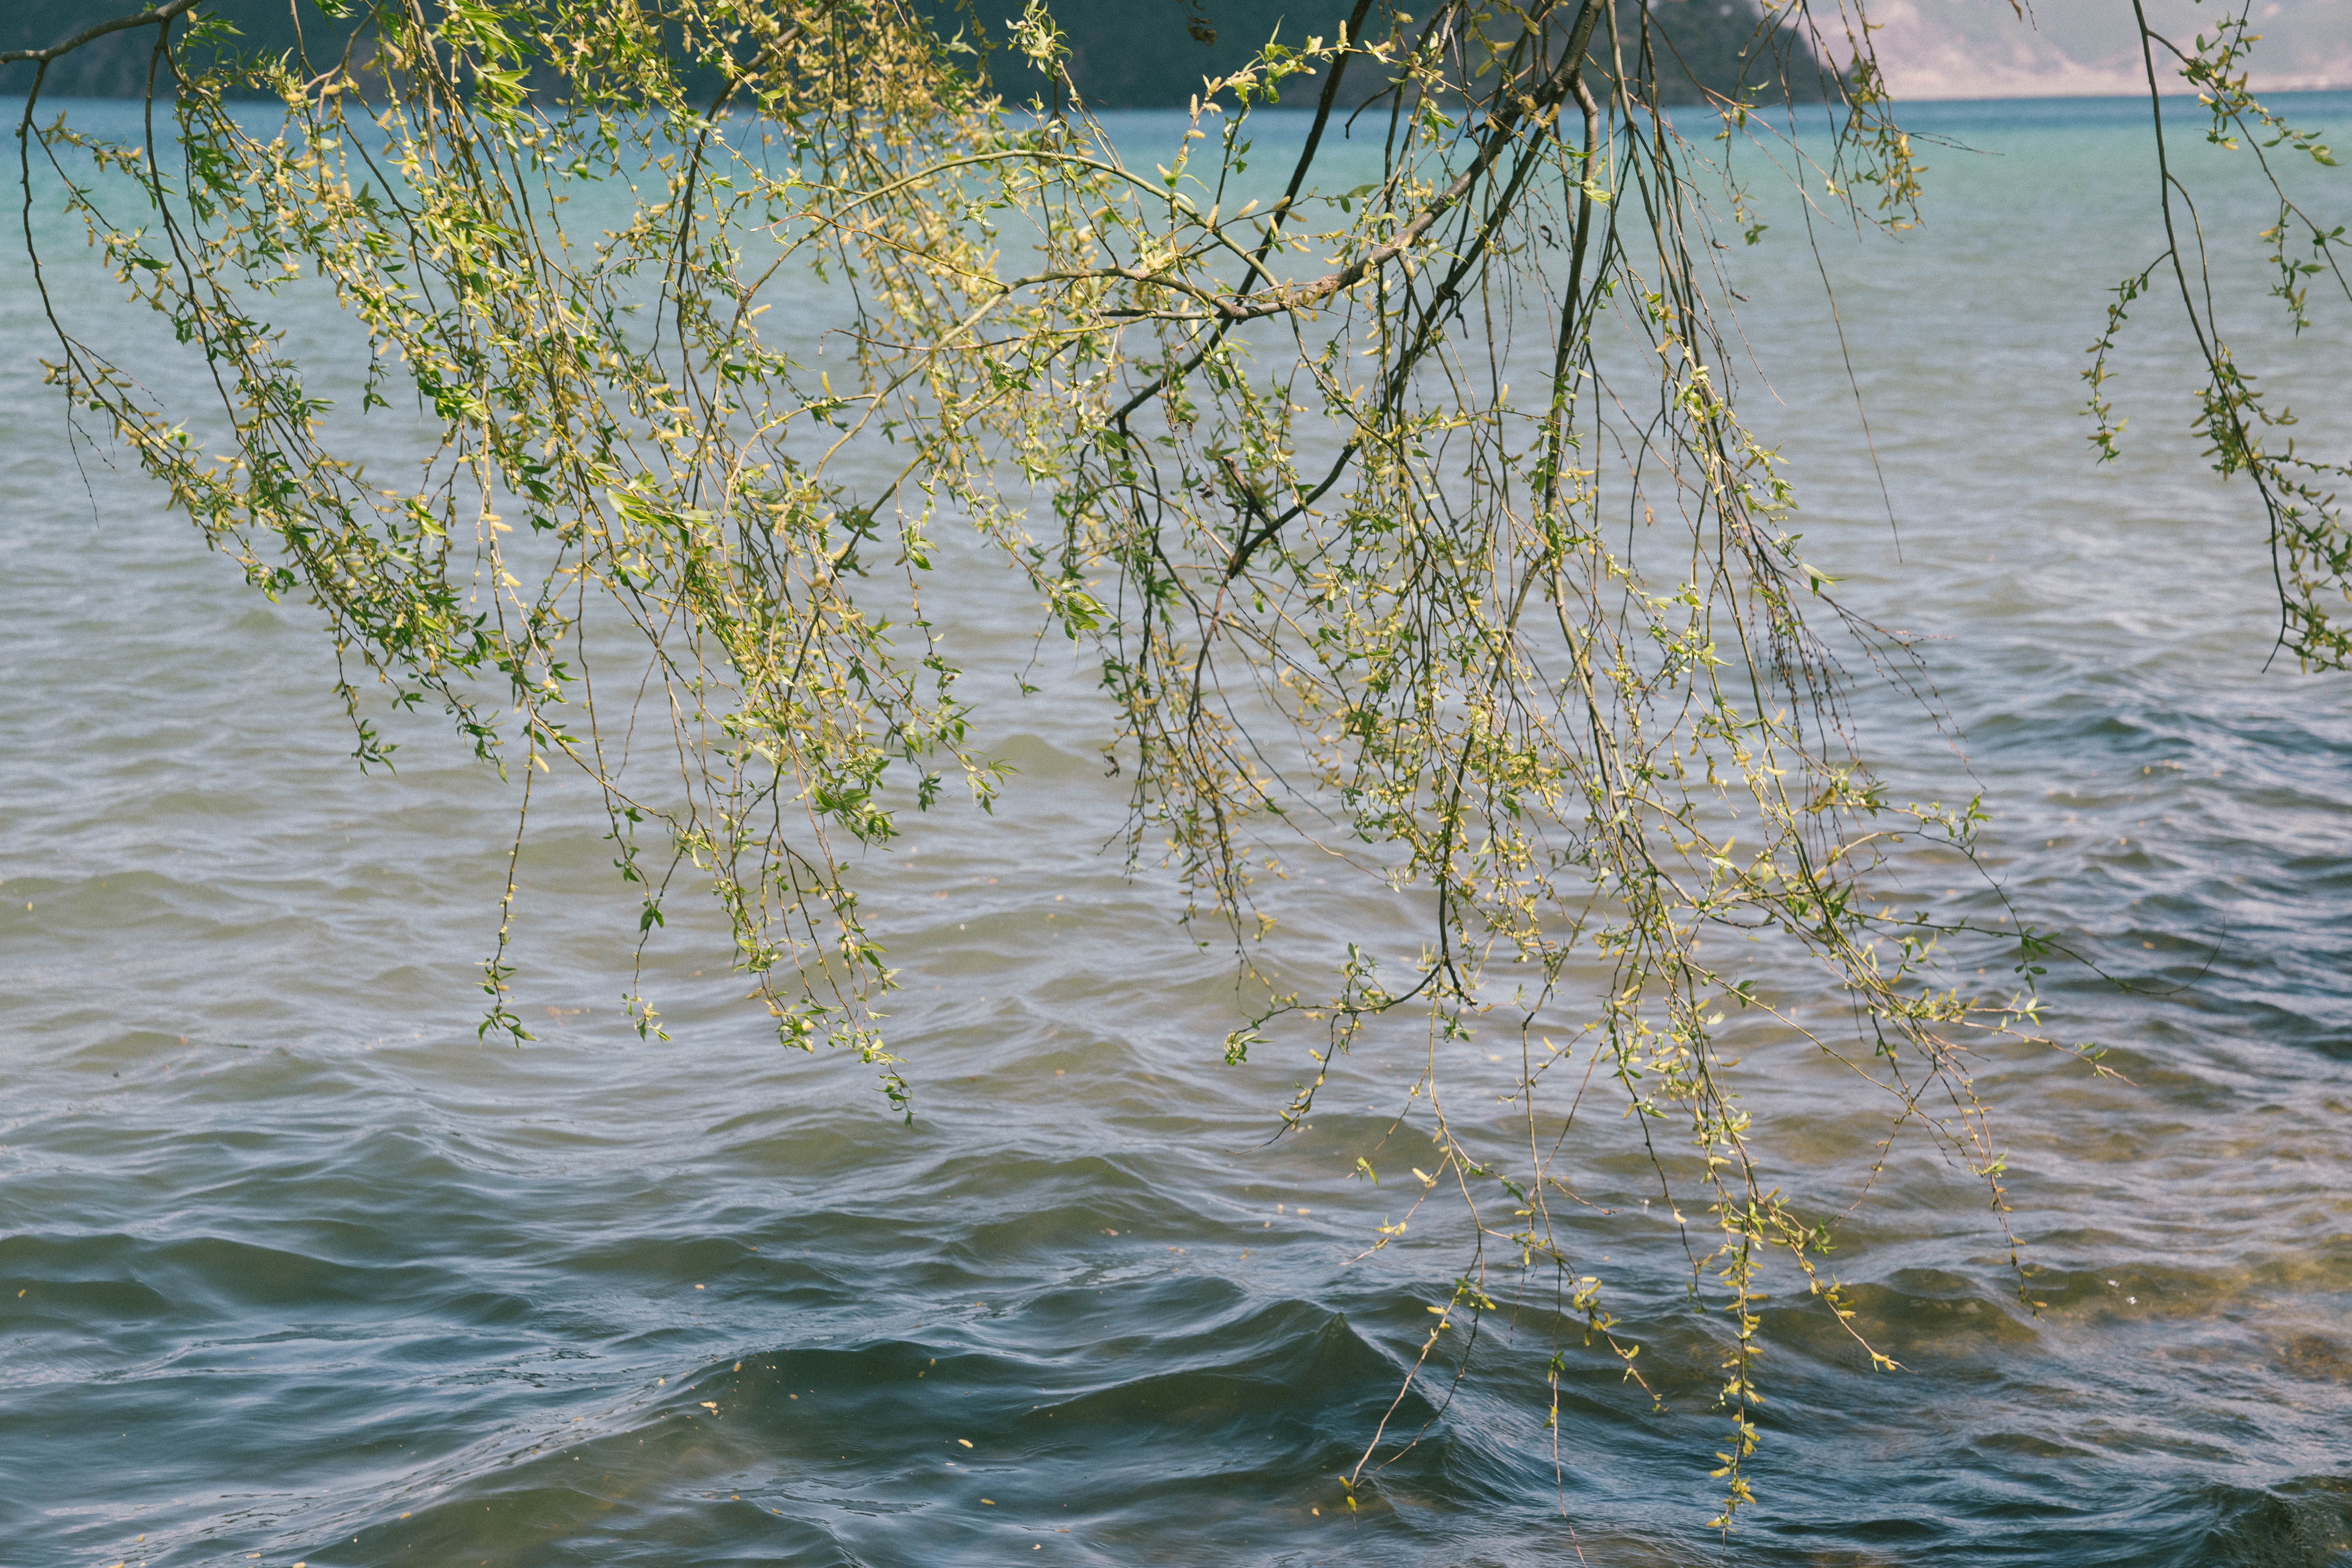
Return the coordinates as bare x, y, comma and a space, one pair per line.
293, 1268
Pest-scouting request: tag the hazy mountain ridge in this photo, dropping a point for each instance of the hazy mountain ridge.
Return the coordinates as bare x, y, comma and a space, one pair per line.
2090, 49
1146, 52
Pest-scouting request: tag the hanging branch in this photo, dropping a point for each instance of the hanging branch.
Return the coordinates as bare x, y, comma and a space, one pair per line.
1503, 620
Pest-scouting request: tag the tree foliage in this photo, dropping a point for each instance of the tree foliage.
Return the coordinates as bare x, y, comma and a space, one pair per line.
1388, 546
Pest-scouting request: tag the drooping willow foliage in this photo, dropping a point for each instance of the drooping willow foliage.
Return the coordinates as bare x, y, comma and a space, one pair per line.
1406, 505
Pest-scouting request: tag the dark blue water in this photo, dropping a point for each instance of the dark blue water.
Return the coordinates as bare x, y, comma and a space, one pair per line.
295, 1270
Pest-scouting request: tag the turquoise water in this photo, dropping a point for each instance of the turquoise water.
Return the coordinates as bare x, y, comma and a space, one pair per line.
295, 1270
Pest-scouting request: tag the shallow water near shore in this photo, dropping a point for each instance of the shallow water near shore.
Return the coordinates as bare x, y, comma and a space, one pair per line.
294, 1268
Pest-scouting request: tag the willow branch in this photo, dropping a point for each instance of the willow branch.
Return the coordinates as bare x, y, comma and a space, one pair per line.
95, 30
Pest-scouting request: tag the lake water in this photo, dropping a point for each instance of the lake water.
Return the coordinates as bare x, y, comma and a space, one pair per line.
294, 1269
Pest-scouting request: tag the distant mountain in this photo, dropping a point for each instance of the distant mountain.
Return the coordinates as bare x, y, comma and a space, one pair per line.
1980, 49
1125, 53
1139, 53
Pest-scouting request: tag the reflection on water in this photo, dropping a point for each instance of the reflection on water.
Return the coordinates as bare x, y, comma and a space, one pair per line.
295, 1268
